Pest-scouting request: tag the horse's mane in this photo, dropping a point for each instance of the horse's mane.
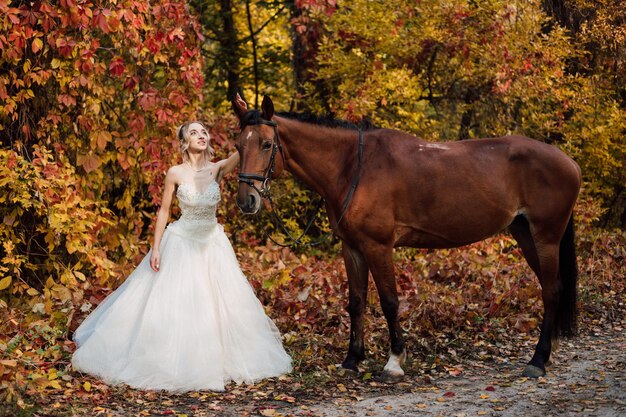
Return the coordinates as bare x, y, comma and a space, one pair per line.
327, 121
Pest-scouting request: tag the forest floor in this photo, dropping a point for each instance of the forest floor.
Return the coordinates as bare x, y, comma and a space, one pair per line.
587, 377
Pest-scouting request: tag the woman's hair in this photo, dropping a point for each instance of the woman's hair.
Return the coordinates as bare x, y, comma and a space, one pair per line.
182, 133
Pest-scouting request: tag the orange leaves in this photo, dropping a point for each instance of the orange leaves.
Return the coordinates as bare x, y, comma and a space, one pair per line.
36, 45
175, 35
105, 20
99, 139
67, 100
89, 162
126, 160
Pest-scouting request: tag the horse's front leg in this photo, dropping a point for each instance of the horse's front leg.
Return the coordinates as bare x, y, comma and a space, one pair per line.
380, 263
357, 271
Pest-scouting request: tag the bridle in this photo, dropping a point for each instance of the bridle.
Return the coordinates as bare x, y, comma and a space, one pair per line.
248, 178
264, 191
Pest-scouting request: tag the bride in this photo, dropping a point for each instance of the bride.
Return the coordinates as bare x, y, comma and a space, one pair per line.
186, 318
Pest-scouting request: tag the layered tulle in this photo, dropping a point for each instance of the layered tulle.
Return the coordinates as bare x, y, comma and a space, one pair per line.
196, 324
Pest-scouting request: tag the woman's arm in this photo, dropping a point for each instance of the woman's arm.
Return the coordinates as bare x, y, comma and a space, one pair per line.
163, 216
226, 166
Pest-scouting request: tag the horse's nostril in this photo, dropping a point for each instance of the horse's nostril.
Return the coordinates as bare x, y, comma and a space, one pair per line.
247, 203
251, 203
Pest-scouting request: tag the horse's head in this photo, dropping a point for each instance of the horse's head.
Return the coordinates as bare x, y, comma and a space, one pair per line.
258, 147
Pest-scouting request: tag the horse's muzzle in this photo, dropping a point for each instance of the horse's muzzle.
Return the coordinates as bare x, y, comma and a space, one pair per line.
249, 203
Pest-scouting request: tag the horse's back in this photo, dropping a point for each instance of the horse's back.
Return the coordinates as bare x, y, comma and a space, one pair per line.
507, 156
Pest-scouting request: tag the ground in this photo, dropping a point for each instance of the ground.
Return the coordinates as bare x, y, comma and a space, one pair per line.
587, 377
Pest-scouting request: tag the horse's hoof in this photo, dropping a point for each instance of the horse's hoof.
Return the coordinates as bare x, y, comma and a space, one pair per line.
349, 373
347, 368
390, 377
532, 371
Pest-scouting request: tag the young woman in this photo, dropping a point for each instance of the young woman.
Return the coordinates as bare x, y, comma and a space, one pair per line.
186, 318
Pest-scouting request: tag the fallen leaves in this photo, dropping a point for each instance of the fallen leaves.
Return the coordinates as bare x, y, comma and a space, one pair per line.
446, 324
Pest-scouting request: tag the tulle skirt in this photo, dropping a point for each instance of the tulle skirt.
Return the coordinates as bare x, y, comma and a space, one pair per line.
194, 325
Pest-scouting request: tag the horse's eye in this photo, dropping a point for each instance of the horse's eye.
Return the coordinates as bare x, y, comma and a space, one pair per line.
267, 145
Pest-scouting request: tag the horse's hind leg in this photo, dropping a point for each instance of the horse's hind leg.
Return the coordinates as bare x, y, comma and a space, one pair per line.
381, 264
545, 267
520, 229
357, 271
548, 258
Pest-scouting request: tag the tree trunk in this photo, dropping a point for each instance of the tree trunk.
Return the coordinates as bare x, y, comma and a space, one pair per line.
564, 14
229, 47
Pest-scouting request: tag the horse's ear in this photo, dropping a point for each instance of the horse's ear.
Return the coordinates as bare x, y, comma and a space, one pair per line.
268, 108
239, 106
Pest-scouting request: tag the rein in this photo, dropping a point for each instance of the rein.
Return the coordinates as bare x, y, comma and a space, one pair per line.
264, 192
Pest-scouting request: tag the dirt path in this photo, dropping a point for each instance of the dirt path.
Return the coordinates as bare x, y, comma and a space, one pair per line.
588, 378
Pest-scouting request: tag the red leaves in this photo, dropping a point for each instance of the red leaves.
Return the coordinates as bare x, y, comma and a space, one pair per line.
99, 20
65, 46
116, 67
148, 99
131, 82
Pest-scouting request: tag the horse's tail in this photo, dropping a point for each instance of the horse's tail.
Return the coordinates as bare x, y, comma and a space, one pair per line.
568, 277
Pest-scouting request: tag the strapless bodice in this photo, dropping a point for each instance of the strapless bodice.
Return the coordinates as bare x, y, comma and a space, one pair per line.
198, 208
198, 205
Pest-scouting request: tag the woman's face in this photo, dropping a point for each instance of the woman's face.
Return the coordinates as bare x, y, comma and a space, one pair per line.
198, 138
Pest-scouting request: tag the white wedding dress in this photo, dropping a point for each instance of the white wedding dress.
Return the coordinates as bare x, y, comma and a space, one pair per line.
194, 325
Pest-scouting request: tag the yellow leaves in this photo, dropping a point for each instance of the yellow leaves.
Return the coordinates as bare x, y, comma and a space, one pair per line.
61, 293
68, 278
5, 283
50, 283
36, 45
87, 386
55, 385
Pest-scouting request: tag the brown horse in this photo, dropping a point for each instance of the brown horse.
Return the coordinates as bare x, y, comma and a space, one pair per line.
421, 194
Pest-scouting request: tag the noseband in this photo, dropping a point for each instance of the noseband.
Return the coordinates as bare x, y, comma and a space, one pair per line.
269, 171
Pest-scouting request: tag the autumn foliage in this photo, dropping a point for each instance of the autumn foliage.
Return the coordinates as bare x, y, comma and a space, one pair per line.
90, 94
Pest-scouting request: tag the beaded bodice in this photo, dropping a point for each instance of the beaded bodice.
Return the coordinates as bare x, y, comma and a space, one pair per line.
198, 207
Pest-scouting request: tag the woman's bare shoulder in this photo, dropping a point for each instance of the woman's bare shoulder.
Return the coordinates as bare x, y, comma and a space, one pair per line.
174, 173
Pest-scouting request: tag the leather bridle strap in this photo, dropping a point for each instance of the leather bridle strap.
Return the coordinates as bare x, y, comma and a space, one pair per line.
248, 178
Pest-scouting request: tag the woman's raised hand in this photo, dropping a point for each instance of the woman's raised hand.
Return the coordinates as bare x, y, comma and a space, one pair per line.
240, 101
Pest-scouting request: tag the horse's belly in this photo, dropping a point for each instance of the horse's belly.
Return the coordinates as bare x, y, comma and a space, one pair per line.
447, 237
423, 240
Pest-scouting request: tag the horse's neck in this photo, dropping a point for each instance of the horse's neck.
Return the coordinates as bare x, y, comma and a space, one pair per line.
318, 155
